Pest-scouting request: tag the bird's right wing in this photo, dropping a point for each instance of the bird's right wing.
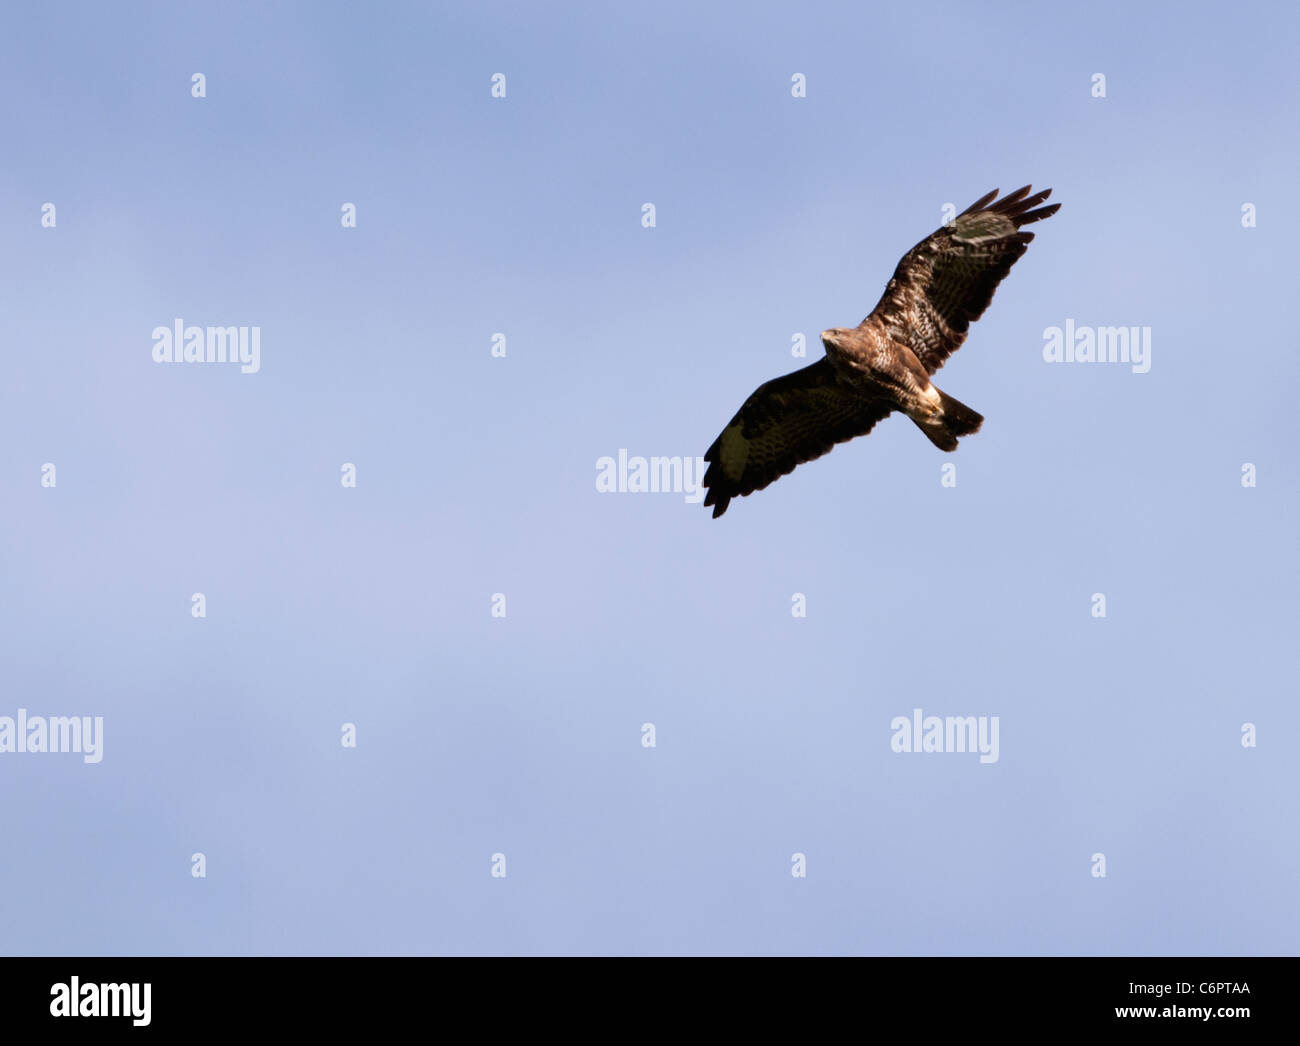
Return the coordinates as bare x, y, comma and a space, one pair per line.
785, 422
944, 283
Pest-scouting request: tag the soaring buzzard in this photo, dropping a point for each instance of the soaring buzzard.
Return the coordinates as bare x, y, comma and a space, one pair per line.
885, 362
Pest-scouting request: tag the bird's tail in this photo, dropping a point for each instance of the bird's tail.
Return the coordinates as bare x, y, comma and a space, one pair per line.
953, 419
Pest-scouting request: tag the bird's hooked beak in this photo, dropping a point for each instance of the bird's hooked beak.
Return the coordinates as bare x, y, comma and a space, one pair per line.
830, 337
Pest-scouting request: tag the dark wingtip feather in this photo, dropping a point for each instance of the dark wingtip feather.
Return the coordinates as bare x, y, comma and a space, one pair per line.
1038, 215
1009, 202
980, 202
1019, 206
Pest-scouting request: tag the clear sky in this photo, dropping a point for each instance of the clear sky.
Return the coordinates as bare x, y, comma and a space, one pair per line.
523, 735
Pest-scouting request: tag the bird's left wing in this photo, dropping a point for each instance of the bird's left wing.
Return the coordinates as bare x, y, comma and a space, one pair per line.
947, 280
785, 422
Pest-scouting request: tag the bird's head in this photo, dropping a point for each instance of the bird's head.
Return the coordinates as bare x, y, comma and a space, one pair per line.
835, 336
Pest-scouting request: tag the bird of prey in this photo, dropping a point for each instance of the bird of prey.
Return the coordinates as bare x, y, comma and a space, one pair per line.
885, 362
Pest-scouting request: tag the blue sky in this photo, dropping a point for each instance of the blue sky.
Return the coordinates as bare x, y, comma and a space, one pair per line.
476, 475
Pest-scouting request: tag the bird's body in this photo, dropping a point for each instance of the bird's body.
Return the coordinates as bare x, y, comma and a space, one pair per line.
885, 363
869, 363
866, 360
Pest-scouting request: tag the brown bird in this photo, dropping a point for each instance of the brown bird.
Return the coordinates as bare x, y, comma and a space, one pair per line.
885, 362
